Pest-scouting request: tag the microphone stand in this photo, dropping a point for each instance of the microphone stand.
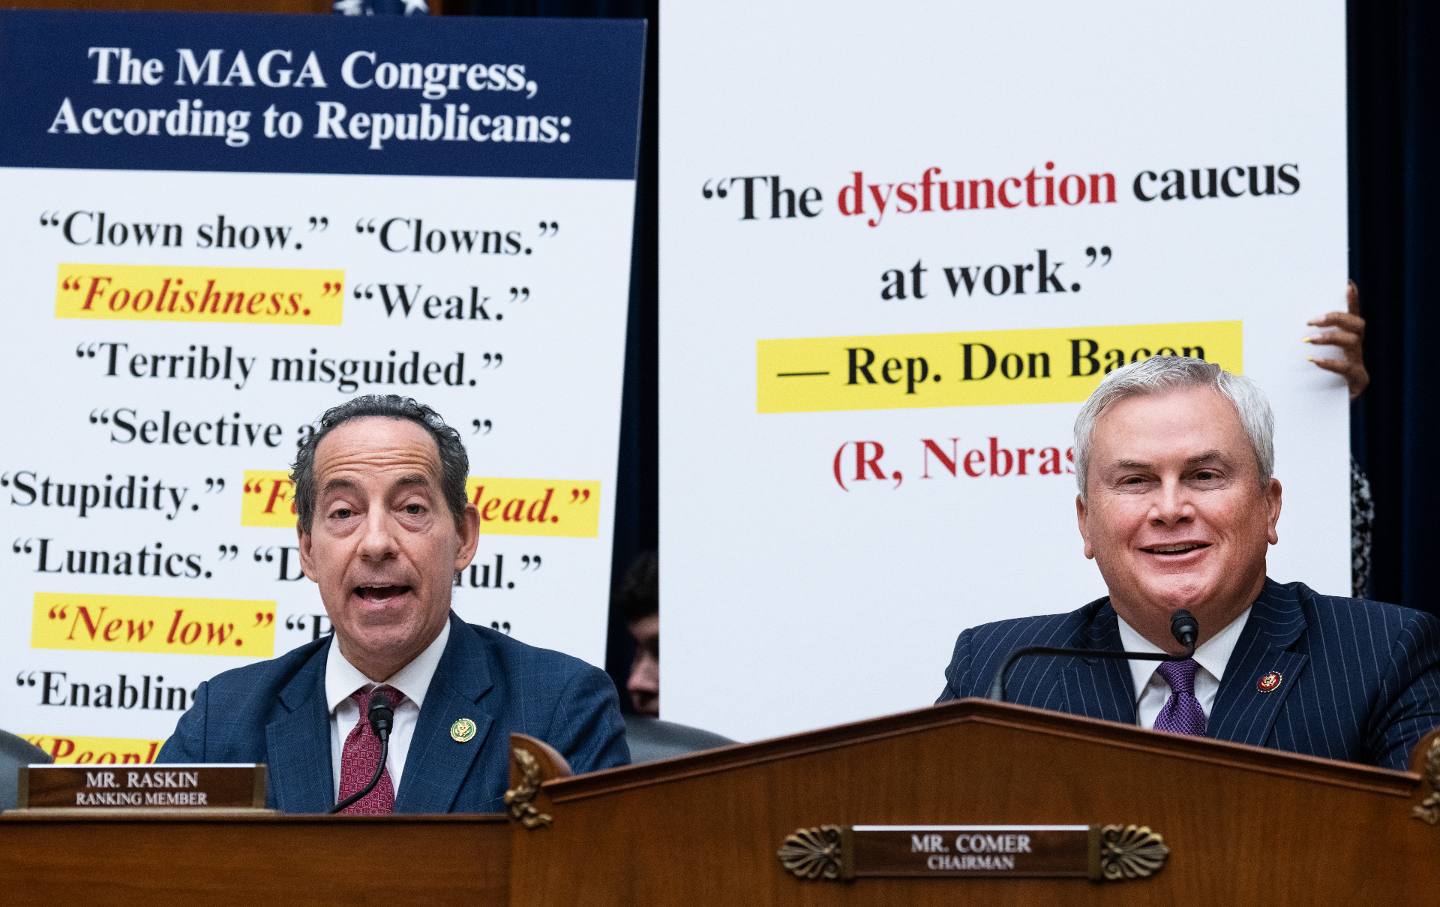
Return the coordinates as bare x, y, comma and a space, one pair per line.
1182, 626
382, 718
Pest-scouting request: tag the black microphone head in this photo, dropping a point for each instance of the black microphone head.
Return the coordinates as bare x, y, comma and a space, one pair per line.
382, 714
1184, 628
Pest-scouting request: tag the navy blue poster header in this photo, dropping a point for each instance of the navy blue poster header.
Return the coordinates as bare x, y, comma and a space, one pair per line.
316, 94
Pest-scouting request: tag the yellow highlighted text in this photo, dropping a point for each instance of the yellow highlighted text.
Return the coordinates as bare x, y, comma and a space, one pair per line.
96, 750
212, 294
268, 499
977, 368
147, 623
559, 508
544, 507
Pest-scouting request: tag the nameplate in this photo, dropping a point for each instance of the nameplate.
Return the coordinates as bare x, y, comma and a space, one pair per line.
142, 787
1096, 852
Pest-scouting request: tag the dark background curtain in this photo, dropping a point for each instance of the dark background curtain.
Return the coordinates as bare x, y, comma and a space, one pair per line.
1394, 191
1393, 73
637, 496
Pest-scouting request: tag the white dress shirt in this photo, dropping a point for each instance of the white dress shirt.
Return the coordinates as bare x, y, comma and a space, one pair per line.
1151, 690
342, 679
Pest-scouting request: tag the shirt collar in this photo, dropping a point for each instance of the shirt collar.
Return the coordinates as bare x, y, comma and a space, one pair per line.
1212, 655
342, 678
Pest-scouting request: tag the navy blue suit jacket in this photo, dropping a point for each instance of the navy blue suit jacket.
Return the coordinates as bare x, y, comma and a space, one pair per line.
1360, 680
274, 712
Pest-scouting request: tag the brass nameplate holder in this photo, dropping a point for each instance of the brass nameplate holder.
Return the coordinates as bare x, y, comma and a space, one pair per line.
1112, 853
142, 787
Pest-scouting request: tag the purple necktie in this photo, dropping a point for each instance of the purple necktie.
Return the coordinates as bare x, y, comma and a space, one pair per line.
359, 757
1181, 713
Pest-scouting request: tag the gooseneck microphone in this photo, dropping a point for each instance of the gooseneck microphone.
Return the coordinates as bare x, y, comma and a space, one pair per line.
1186, 630
381, 716
1183, 627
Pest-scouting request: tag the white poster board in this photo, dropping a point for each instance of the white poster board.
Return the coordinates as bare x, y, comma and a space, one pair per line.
216, 228
878, 191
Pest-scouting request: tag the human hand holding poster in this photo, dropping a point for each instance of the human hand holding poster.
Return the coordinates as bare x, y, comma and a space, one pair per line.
218, 227
899, 252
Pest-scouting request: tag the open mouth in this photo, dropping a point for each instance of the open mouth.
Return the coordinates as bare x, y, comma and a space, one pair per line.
1177, 549
380, 593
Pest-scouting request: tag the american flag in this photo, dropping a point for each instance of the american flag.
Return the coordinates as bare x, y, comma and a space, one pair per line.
382, 7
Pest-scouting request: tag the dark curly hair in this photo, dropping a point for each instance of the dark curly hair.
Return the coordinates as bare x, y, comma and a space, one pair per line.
454, 463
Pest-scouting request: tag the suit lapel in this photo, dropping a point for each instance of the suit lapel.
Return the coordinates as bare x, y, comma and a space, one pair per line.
437, 765
297, 744
1098, 687
1244, 712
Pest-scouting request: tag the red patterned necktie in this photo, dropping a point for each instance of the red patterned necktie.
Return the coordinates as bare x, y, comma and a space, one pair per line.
360, 756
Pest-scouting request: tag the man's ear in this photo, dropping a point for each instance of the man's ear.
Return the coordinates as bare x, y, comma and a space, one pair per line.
306, 558
1272, 503
469, 530
1080, 520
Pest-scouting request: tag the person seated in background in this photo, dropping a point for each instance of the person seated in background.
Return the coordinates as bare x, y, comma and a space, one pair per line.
383, 527
1178, 506
639, 601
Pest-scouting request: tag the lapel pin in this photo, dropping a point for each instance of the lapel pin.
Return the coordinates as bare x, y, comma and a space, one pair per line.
1270, 682
463, 730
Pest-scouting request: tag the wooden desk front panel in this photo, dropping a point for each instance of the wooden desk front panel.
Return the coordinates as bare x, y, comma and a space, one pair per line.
1243, 825
255, 861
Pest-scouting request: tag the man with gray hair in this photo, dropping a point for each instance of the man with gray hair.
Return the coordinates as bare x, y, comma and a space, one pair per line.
383, 527
1178, 506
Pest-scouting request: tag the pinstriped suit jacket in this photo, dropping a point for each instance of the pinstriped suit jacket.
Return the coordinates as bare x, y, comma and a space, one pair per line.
1360, 679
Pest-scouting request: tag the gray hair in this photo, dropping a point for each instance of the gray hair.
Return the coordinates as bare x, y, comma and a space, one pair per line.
454, 463
1165, 373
